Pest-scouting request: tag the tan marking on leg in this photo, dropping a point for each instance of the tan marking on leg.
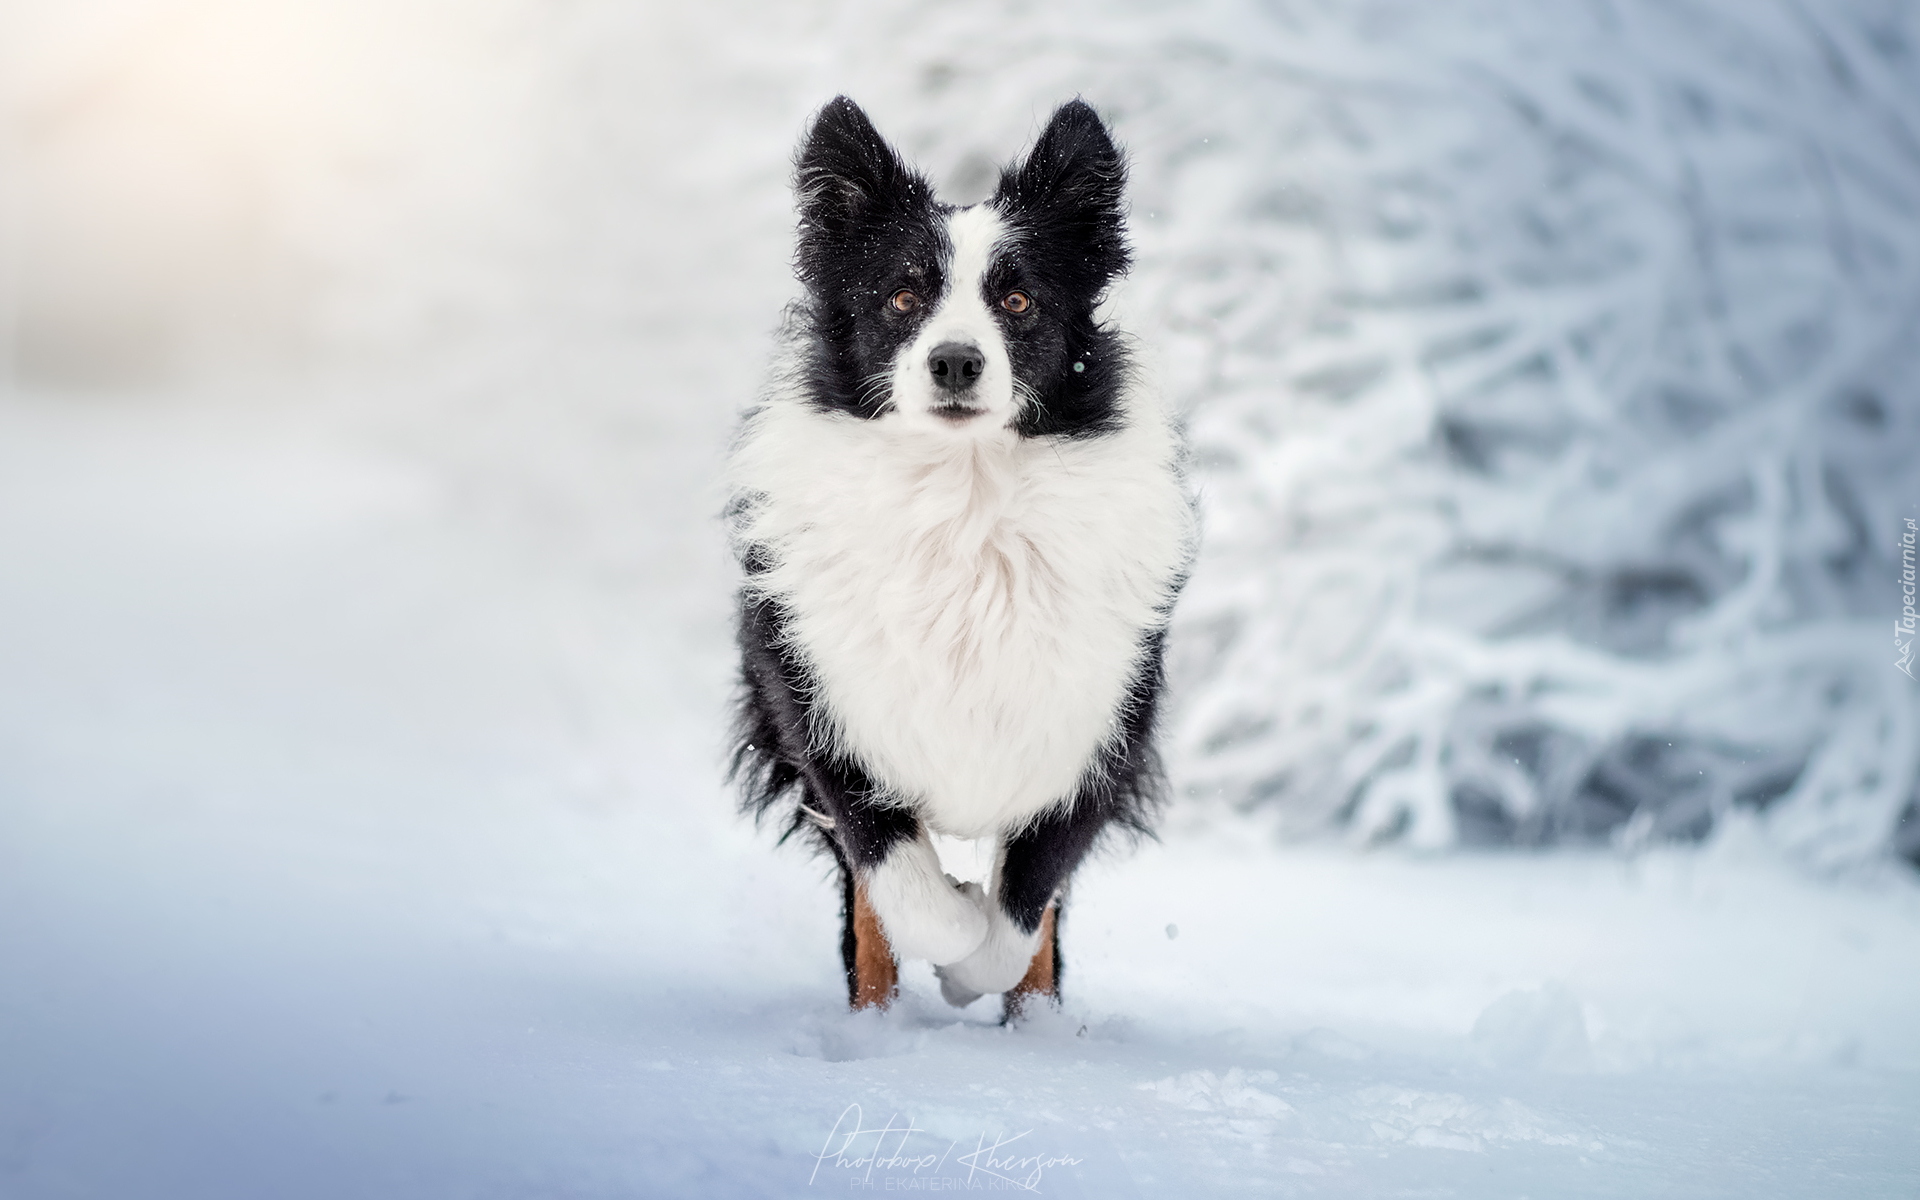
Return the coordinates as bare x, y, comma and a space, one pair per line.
1039, 980
876, 977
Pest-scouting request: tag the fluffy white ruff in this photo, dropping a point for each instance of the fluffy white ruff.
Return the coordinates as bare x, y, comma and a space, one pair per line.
971, 606
963, 316
925, 914
997, 963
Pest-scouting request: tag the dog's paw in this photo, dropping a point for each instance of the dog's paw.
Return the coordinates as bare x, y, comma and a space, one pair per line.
925, 914
1000, 961
953, 991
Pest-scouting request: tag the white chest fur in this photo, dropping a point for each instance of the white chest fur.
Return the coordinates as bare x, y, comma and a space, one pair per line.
971, 609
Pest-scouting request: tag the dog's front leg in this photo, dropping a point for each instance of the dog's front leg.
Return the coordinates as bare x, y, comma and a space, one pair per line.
924, 913
1029, 871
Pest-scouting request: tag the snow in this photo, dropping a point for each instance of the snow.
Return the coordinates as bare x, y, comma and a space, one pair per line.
352, 848
361, 829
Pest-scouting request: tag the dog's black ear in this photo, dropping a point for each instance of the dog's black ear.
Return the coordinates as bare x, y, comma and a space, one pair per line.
846, 174
1072, 189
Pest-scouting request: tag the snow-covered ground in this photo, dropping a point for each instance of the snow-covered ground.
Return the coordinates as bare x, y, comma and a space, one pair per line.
361, 829
349, 849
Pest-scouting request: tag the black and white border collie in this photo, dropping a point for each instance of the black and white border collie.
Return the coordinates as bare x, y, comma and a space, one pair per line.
962, 522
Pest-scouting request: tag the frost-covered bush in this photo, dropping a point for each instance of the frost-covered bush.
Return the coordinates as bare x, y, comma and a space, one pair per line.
1576, 510
1554, 373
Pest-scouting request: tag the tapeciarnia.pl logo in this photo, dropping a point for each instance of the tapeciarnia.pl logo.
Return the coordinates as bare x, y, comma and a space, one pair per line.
1903, 629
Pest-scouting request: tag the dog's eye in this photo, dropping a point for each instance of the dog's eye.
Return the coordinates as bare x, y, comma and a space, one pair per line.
904, 301
1016, 302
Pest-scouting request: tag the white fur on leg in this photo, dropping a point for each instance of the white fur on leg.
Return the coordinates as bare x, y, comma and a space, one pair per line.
1000, 961
924, 912
1002, 957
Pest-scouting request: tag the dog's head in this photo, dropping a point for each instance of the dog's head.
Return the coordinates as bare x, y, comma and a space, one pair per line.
963, 319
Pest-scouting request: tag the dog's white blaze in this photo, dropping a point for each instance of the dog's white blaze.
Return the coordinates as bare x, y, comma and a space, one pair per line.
971, 606
962, 315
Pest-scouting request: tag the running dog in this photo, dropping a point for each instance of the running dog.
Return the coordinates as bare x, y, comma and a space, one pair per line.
962, 522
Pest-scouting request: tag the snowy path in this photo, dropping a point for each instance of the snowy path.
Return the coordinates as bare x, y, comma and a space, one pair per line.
317, 883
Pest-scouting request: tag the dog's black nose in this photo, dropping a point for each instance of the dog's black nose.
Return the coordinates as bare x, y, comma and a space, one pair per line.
956, 365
